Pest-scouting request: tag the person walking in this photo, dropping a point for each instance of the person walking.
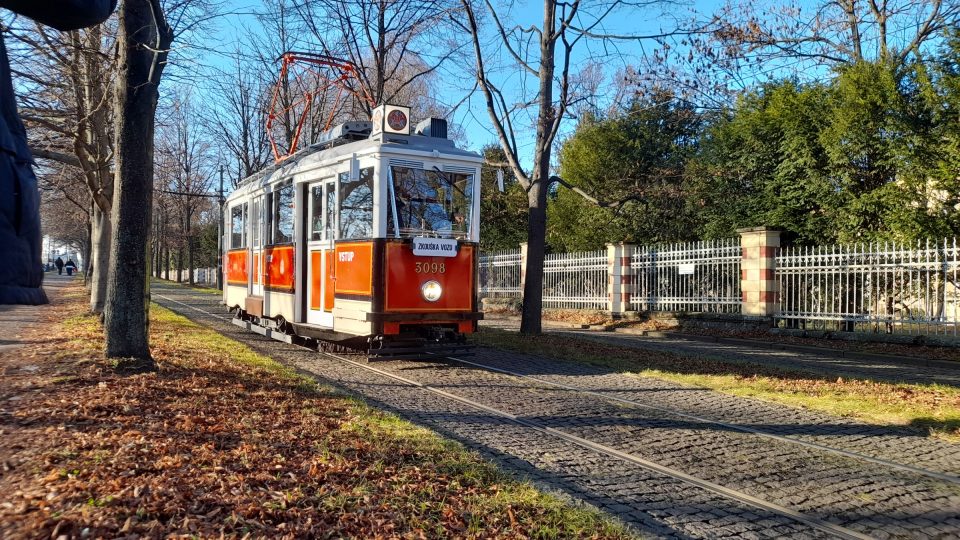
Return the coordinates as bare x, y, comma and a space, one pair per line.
59, 264
70, 266
21, 274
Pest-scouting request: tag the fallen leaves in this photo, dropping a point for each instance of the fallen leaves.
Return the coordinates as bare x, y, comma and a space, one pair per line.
210, 446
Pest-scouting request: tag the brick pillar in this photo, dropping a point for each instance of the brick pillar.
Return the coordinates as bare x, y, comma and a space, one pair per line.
523, 266
620, 284
758, 280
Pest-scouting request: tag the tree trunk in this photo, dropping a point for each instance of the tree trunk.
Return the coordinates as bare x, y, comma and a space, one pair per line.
180, 265
158, 260
162, 245
166, 265
99, 259
190, 260
189, 249
87, 252
532, 314
143, 41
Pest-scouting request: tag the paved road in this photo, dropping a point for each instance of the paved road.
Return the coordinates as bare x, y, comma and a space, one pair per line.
876, 368
14, 319
698, 432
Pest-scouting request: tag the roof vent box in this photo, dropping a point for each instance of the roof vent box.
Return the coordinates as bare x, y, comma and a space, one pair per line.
391, 119
432, 127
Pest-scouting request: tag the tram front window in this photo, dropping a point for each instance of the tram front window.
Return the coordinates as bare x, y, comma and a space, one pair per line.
431, 203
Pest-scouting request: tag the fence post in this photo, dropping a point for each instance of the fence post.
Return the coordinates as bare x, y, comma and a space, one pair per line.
620, 283
758, 269
523, 266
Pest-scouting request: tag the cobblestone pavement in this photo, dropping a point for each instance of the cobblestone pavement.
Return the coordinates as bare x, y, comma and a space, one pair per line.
890, 443
939, 372
863, 496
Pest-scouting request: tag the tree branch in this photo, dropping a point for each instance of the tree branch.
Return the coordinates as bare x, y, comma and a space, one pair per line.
59, 157
602, 204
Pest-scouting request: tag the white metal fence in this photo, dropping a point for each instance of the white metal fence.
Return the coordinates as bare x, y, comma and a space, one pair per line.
889, 287
201, 276
576, 280
500, 273
892, 287
692, 276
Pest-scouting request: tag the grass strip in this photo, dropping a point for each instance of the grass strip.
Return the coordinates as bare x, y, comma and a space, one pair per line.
224, 441
198, 288
931, 409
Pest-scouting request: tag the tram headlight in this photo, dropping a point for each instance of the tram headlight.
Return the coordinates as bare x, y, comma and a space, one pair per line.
431, 291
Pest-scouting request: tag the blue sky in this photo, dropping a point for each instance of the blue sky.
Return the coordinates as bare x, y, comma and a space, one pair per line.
456, 80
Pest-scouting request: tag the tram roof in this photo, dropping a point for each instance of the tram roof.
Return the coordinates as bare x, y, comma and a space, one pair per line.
400, 144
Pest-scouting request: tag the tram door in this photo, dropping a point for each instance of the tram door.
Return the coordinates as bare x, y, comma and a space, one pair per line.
321, 231
256, 247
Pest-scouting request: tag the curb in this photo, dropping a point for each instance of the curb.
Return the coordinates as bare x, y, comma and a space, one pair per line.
826, 351
915, 360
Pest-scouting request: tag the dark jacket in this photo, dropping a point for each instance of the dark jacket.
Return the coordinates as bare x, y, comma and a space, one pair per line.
21, 273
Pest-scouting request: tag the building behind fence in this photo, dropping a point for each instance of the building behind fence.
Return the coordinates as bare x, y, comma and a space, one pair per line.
201, 276
888, 288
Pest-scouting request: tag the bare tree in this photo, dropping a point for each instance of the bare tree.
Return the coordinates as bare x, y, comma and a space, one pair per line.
240, 132
143, 43
70, 119
66, 208
186, 168
281, 31
756, 41
396, 45
396, 59
148, 29
550, 93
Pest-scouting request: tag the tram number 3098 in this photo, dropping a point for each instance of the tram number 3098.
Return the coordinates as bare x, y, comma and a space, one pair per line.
430, 268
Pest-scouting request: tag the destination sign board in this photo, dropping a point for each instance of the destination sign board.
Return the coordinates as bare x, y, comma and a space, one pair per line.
434, 247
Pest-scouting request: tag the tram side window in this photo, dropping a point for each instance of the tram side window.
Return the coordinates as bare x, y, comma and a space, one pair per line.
316, 212
330, 188
255, 223
283, 215
356, 205
324, 199
238, 226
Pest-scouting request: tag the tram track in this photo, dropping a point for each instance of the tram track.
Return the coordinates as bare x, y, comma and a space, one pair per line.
596, 446
725, 425
744, 498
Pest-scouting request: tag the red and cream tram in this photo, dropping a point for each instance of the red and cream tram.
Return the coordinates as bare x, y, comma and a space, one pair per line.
367, 239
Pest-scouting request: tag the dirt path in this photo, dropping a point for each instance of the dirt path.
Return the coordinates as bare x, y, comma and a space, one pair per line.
16, 321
